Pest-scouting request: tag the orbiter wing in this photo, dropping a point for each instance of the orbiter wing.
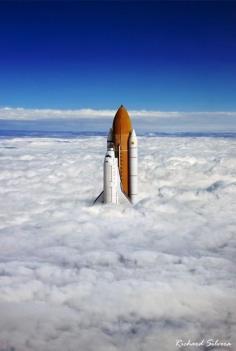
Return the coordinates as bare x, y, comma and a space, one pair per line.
123, 199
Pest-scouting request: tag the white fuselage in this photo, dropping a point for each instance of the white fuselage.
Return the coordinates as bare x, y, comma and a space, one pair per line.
110, 178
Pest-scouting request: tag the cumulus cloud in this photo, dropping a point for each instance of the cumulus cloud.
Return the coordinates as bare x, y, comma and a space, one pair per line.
19, 113
80, 277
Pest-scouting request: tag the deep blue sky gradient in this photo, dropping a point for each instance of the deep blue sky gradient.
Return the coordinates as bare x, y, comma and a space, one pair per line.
146, 55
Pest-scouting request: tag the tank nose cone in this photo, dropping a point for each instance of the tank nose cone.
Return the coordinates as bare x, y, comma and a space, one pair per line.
121, 113
121, 123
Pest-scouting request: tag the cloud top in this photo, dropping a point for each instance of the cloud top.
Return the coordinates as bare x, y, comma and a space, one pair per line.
20, 113
116, 278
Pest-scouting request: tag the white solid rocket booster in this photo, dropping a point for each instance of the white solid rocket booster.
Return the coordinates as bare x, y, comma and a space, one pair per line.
110, 178
133, 167
109, 140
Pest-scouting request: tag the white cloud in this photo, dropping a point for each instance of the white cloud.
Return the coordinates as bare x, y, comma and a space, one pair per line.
80, 277
20, 113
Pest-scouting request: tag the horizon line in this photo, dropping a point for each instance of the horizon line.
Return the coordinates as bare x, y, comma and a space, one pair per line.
22, 113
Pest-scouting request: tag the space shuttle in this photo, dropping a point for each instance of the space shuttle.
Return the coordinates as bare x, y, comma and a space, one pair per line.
120, 168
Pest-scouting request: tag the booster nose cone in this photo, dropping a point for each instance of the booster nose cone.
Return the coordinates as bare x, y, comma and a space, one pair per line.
133, 139
109, 136
109, 139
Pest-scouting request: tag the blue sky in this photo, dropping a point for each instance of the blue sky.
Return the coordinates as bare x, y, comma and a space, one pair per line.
159, 56
147, 55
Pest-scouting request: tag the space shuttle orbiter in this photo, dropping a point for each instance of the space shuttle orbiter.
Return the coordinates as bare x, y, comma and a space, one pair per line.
120, 169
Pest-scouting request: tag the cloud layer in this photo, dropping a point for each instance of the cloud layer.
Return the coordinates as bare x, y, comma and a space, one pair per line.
80, 277
35, 114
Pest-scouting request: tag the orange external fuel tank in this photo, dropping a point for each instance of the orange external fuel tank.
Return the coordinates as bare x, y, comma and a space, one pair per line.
121, 130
